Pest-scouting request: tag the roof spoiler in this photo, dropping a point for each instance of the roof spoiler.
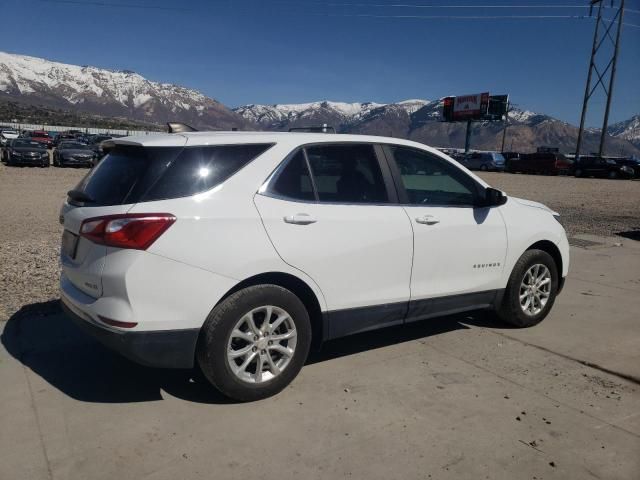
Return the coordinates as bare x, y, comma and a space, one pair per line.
324, 128
177, 127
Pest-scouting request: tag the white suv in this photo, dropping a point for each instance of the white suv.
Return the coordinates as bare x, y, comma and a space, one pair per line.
234, 250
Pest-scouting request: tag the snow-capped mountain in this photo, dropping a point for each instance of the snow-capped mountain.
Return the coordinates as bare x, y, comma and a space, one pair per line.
105, 92
627, 130
338, 114
128, 95
421, 120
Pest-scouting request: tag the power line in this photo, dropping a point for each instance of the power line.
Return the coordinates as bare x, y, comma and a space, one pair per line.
432, 6
99, 3
406, 5
466, 17
94, 3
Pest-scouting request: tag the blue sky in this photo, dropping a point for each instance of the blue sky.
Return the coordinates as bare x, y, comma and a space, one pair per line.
251, 51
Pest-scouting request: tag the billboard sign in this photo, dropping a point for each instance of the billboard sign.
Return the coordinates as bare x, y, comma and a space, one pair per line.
469, 107
478, 106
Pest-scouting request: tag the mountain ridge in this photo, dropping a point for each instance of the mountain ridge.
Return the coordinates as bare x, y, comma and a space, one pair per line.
125, 94
419, 119
108, 92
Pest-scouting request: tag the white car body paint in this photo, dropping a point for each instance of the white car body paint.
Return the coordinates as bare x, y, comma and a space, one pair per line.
352, 256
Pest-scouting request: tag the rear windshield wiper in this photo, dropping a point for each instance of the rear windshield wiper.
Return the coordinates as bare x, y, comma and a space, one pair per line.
80, 196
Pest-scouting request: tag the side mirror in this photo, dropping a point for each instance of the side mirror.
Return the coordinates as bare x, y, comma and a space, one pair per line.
493, 198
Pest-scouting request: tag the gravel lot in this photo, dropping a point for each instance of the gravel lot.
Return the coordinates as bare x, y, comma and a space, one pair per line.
454, 398
30, 199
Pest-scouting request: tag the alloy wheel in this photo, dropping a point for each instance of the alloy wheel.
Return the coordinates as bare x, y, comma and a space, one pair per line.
535, 289
261, 344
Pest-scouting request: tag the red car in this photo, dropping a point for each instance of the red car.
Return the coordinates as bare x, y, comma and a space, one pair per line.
42, 137
546, 163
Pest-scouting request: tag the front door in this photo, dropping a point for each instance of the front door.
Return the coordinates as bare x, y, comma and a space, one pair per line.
459, 249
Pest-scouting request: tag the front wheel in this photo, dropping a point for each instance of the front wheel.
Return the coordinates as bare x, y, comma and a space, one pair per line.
254, 343
531, 290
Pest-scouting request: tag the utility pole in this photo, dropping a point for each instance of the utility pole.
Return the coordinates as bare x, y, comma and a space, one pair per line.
598, 40
467, 138
504, 131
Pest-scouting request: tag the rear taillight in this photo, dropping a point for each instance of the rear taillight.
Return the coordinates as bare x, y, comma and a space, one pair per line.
137, 231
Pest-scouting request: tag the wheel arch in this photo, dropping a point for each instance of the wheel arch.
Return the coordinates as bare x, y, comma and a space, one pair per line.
551, 248
297, 286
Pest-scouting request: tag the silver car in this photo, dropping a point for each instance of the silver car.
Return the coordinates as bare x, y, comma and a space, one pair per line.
484, 161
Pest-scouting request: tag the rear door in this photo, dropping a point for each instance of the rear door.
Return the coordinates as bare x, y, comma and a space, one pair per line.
459, 249
329, 212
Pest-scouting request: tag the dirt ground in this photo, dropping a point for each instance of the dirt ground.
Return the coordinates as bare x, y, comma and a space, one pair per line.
452, 398
30, 200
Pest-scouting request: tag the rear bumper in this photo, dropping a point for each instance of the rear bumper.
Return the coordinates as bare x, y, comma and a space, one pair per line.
161, 348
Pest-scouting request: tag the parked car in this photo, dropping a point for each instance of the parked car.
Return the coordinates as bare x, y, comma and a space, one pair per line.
507, 157
41, 137
6, 135
549, 163
633, 163
24, 151
61, 137
73, 154
237, 251
594, 166
484, 161
96, 145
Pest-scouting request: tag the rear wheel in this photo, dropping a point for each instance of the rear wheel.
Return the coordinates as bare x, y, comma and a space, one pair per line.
254, 343
484, 168
578, 172
613, 175
531, 290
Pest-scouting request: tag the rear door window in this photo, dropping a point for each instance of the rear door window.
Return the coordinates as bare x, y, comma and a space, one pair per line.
131, 174
347, 174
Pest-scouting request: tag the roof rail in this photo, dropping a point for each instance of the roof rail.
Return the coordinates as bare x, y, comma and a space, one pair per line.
324, 128
177, 127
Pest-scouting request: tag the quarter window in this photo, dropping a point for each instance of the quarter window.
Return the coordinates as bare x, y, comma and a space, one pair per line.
294, 181
430, 180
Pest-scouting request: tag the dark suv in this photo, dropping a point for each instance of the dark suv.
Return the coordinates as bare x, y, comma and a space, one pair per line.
594, 166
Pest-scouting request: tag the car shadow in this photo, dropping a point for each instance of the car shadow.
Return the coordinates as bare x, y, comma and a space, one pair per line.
44, 340
631, 234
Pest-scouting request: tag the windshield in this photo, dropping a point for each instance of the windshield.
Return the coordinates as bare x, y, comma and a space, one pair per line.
27, 143
74, 146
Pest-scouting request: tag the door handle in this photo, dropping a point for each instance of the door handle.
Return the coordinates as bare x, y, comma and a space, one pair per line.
300, 219
428, 220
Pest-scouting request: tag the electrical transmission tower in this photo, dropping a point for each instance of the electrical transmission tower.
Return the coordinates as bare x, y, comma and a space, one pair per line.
610, 68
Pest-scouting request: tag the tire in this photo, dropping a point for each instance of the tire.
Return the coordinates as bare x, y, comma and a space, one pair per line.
216, 341
613, 175
484, 168
578, 173
511, 311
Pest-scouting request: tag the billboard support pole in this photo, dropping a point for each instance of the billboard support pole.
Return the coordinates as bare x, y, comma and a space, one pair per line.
504, 131
467, 137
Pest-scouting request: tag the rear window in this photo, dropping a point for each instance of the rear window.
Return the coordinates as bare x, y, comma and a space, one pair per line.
137, 174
